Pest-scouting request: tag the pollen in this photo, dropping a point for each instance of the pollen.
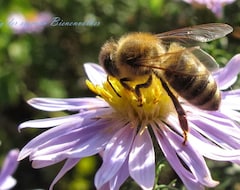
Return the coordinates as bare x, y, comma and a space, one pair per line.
155, 102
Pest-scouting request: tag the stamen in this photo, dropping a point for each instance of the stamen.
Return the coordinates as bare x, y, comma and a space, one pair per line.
156, 103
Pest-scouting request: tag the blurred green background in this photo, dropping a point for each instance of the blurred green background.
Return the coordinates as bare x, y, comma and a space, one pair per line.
49, 63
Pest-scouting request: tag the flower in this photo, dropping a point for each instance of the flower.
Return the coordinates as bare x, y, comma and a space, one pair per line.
29, 23
9, 166
114, 125
215, 6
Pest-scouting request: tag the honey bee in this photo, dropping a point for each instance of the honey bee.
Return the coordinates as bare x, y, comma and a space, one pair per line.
182, 67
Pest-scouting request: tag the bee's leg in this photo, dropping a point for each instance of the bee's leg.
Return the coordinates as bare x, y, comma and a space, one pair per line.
143, 85
137, 87
180, 111
108, 80
124, 81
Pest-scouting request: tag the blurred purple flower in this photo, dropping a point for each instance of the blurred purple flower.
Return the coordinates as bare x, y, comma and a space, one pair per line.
118, 129
9, 166
31, 23
215, 6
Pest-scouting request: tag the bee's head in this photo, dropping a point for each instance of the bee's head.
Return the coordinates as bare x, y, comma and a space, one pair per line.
107, 58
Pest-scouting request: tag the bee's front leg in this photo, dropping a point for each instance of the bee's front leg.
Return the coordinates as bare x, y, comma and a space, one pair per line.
124, 81
109, 82
143, 85
137, 88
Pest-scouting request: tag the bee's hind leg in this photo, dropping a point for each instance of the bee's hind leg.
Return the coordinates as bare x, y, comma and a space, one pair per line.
180, 111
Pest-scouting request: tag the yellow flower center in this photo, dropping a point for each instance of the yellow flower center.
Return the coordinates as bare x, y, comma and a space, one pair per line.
155, 103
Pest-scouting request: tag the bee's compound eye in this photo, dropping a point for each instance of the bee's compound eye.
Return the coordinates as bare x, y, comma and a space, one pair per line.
106, 58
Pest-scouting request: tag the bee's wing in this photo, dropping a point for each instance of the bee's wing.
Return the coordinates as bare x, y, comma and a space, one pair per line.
206, 59
174, 58
198, 33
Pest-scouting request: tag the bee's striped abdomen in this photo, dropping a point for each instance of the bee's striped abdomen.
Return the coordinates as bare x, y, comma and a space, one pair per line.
196, 85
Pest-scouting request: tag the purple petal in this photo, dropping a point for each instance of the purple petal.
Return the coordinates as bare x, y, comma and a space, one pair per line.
187, 177
212, 151
218, 129
142, 160
192, 158
10, 163
173, 149
70, 140
95, 73
215, 6
226, 76
8, 183
47, 123
48, 136
80, 117
231, 114
120, 177
115, 154
53, 152
104, 187
9, 166
230, 99
216, 116
96, 139
69, 164
71, 104
44, 163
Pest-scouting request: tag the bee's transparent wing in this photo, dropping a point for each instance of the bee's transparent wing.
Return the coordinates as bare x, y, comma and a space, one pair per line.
173, 60
198, 33
206, 59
